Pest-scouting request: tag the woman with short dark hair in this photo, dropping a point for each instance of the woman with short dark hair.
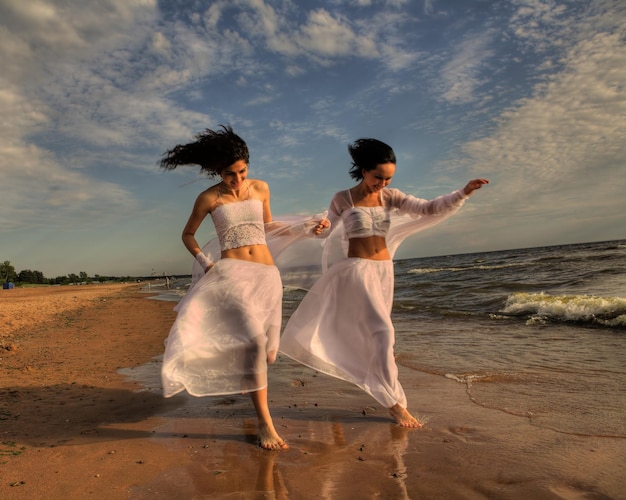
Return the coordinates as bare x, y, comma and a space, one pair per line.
343, 327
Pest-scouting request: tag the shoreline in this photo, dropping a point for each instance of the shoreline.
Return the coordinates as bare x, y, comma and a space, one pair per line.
75, 423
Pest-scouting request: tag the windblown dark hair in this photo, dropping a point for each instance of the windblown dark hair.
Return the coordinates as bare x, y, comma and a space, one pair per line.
366, 154
213, 150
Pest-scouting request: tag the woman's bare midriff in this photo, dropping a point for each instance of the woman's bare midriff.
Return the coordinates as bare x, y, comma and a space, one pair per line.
251, 253
371, 247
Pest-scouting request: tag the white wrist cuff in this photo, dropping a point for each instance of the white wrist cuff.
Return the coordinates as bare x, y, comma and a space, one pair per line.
203, 260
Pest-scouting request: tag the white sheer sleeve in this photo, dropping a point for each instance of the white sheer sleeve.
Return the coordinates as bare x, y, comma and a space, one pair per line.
410, 215
417, 207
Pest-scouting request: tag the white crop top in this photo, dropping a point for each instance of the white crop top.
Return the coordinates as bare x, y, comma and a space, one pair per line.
362, 222
239, 223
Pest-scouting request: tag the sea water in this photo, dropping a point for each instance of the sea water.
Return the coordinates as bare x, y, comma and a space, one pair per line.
538, 332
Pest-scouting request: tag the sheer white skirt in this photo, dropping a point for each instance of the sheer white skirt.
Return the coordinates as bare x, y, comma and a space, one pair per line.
343, 328
227, 323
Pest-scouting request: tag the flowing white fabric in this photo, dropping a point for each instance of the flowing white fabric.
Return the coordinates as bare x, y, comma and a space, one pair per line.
225, 328
342, 327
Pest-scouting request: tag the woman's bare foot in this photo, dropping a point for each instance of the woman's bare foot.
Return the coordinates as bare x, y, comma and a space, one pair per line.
269, 438
403, 418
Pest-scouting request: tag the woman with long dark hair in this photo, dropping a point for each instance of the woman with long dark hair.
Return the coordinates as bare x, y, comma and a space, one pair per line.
228, 324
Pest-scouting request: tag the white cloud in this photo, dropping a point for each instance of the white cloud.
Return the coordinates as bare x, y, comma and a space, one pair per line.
535, 23
38, 191
328, 36
567, 142
463, 74
52, 85
261, 100
261, 21
325, 37
389, 31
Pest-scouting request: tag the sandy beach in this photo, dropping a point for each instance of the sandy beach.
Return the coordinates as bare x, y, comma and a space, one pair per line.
82, 416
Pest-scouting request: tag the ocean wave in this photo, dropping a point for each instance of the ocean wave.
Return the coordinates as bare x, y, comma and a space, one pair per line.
428, 270
542, 308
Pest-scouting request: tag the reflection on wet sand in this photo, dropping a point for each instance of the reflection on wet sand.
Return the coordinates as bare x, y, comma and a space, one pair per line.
231, 463
330, 450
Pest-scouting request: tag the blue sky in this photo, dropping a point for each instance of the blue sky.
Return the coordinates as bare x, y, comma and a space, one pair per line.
528, 93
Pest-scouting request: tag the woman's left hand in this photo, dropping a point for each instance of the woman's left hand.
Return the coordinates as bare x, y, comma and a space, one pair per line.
473, 185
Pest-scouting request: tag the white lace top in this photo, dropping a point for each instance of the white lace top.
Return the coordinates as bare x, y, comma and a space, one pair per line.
239, 224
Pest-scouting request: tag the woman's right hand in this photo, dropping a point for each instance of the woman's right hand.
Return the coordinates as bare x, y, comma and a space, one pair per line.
321, 226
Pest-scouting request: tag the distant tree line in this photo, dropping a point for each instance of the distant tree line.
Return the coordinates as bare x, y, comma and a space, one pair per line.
28, 276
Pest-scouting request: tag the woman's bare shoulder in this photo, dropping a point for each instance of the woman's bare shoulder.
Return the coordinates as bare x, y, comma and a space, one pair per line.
259, 186
207, 199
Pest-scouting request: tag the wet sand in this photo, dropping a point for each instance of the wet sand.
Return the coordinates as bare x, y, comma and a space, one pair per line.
81, 416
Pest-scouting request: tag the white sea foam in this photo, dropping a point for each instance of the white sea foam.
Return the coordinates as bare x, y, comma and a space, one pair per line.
465, 379
607, 311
